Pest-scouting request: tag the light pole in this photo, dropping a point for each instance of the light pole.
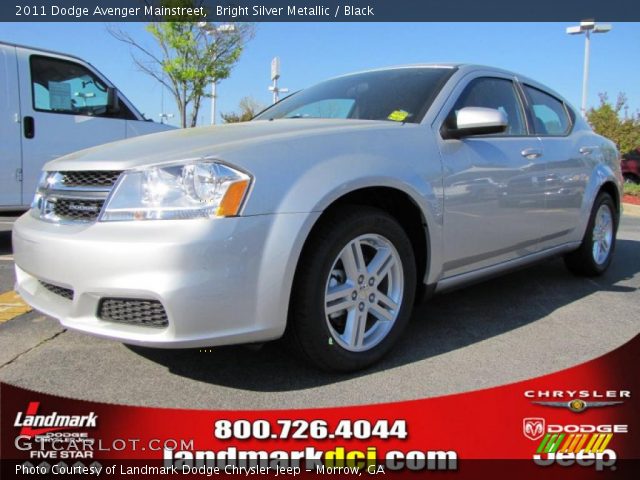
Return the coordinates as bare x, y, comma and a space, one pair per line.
212, 30
275, 75
587, 27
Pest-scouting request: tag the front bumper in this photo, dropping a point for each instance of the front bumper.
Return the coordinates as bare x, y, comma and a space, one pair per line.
221, 281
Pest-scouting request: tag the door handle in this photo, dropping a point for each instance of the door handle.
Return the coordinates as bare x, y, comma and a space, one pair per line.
586, 150
29, 127
531, 153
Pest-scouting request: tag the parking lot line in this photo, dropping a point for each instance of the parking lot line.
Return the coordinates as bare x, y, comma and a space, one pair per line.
11, 306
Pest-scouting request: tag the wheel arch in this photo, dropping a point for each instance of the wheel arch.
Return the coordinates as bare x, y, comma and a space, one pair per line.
611, 188
602, 179
403, 206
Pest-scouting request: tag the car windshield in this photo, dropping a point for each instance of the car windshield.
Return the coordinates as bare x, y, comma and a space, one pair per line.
400, 95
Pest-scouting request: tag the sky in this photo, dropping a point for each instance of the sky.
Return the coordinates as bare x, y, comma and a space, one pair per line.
312, 52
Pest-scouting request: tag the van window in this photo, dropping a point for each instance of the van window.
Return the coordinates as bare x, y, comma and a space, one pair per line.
61, 86
549, 115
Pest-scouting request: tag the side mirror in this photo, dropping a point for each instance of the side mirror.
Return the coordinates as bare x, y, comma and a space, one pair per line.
471, 121
113, 101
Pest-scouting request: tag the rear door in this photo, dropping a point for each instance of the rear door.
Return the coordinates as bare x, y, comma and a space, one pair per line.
10, 154
569, 157
64, 109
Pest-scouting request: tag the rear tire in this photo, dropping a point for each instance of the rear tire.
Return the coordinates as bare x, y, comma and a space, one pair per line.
595, 253
354, 289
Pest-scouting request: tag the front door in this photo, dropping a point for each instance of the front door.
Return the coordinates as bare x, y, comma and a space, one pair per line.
493, 200
64, 105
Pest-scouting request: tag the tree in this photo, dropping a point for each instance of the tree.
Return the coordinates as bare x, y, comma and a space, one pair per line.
249, 108
607, 120
190, 58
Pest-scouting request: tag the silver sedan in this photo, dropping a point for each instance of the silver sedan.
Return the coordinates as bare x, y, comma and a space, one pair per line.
322, 220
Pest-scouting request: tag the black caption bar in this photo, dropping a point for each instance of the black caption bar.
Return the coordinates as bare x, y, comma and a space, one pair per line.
319, 10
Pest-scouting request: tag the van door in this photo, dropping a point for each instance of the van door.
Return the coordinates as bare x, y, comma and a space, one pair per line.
64, 108
10, 154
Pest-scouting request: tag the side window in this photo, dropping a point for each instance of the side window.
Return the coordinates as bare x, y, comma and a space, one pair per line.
496, 93
61, 86
549, 115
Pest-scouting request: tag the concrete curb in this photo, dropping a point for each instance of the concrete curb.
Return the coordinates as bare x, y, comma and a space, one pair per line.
631, 210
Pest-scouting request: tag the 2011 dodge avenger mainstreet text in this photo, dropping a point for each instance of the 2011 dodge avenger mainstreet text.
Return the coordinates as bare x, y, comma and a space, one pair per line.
324, 218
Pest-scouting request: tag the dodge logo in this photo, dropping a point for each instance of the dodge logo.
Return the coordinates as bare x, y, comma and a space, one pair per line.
533, 428
82, 208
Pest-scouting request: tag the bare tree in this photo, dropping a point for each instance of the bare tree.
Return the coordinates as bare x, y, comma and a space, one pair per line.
249, 108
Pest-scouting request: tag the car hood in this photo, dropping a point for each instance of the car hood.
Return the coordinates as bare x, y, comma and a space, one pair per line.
212, 141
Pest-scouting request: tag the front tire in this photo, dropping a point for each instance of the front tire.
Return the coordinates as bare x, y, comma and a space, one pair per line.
595, 253
354, 289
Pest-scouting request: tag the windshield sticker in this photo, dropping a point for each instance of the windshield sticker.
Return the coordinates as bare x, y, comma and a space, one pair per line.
398, 115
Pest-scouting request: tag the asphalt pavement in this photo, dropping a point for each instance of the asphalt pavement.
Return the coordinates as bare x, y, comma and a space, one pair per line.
528, 323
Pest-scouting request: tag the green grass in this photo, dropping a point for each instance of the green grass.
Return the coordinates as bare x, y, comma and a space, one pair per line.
632, 189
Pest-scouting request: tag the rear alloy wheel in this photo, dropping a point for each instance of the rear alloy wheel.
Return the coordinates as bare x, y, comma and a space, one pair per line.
594, 255
354, 289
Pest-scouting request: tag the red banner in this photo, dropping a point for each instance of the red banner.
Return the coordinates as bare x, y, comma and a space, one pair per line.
581, 422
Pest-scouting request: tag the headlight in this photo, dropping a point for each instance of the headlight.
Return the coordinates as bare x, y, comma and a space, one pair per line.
202, 189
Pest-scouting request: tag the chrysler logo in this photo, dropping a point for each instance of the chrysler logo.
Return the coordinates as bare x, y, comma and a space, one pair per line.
577, 405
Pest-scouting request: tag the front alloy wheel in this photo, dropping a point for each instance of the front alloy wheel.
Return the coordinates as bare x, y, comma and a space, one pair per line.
354, 289
363, 292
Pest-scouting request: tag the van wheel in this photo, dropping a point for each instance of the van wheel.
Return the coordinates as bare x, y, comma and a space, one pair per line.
595, 253
354, 289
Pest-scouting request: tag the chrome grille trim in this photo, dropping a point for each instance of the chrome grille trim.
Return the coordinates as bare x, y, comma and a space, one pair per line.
58, 290
74, 196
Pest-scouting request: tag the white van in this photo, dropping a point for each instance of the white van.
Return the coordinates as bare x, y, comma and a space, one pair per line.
52, 104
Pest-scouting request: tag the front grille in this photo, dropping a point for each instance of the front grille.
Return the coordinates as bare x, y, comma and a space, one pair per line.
96, 178
76, 209
60, 291
146, 313
74, 196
